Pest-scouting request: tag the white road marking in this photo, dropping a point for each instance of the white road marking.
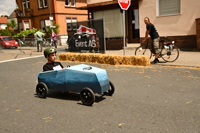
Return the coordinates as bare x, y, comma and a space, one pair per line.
20, 59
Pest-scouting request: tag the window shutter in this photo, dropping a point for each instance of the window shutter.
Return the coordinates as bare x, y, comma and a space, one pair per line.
169, 7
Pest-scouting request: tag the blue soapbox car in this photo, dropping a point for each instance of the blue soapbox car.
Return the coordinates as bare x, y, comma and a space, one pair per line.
84, 79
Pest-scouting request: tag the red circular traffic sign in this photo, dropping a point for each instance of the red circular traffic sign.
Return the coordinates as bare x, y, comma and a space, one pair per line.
124, 4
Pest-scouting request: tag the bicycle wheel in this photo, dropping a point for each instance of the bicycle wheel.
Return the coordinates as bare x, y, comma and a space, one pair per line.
143, 51
170, 56
33, 43
47, 44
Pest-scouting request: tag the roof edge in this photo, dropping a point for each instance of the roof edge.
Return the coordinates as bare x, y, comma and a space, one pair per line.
97, 5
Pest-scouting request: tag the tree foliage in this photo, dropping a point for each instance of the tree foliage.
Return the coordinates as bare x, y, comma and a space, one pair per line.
12, 23
4, 16
7, 32
26, 33
49, 29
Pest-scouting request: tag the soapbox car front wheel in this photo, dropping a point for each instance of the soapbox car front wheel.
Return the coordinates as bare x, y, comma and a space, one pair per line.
87, 96
111, 90
42, 90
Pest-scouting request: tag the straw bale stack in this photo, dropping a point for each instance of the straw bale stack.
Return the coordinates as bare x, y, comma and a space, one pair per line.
138, 60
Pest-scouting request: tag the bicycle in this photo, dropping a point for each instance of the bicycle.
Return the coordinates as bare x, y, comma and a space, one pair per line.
33, 42
46, 43
168, 51
21, 42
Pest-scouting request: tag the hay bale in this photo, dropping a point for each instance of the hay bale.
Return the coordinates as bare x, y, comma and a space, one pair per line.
127, 60
133, 60
106, 59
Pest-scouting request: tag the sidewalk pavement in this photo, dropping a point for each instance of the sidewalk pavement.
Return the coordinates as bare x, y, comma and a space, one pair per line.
186, 58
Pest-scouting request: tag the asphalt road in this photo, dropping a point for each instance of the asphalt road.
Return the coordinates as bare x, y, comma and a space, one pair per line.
153, 99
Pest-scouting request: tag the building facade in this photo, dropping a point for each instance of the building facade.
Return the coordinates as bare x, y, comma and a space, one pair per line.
175, 19
38, 13
112, 14
3, 21
13, 16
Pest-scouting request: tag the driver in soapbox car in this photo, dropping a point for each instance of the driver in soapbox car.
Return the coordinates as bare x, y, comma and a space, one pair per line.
84, 79
50, 55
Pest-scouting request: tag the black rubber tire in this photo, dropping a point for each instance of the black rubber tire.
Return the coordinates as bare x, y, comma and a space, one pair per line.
170, 56
42, 90
143, 51
87, 96
111, 91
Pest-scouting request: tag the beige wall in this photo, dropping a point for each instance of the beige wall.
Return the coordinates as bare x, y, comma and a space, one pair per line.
173, 25
112, 22
96, 1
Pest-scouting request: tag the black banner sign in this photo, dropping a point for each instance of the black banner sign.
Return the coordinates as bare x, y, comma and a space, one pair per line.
89, 37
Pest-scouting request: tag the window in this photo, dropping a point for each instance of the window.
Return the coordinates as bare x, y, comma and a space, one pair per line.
112, 25
20, 26
71, 23
42, 3
26, 25
43, 25
26, 4
45, 3
168, 7
71, 3
3, 26
68, 21
74, 23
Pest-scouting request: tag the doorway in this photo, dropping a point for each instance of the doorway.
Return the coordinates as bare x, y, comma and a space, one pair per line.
133, 25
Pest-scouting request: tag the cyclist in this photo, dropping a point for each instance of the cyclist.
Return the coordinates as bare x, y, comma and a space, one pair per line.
151, 30
50, 55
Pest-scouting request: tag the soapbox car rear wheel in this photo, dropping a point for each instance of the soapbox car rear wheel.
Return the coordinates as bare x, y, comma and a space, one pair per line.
111, 90
87, 96
42, 90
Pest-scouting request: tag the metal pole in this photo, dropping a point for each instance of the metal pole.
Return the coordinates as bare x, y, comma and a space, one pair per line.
104, 39
124, 31
50, 7
50, 12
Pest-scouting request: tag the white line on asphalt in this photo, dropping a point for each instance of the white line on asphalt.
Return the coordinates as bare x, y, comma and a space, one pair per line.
20, 59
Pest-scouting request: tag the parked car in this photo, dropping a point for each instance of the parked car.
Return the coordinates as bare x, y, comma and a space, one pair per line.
8, 42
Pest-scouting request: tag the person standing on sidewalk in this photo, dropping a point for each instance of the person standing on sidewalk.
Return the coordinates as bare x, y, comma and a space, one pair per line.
54, 38
151, 30
39, 37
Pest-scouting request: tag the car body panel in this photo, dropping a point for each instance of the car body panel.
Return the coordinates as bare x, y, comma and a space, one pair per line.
75, 78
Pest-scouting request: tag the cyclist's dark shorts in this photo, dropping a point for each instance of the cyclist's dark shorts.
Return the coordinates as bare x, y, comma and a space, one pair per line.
155, 45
